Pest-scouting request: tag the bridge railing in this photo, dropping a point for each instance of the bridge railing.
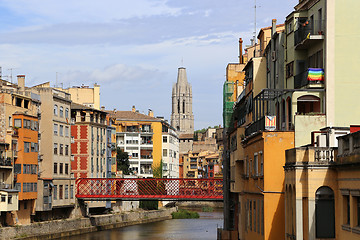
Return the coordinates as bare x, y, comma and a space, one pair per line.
149, 188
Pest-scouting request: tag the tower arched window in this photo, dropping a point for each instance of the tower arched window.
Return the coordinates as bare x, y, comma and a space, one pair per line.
184, 106
178, 105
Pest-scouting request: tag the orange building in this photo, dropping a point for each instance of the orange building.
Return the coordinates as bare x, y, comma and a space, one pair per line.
26, 164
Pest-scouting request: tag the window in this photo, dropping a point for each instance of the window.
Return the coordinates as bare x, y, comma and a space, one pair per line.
55, 110
66, 168
61, 149
66, 191
61, 112
324, 213
347, 209
17, 123
66, 113
34, 147
357, 202
18, 186
3, 198
256, 165
66, 150
10, 121
66, 131
289, 69
250, 220
61, 130
71, 191
164, 152
55, 192
164, 139
27, 124
261, 164
55, 168
55, 129
26, 147
60, 191
55, 148
17, 168
61, 168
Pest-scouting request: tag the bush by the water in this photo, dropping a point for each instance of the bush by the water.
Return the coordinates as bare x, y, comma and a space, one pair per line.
149, 205
207, 209
184, 214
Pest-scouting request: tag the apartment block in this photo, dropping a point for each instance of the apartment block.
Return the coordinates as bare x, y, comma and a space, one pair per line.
170, 151
141, 136
56, 183
19, 111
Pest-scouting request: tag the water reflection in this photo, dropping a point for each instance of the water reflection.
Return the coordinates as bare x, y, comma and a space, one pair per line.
203, 228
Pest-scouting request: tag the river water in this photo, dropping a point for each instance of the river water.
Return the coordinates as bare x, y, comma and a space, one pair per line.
203, 228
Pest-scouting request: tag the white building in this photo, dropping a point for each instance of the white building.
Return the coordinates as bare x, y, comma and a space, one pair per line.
170, 152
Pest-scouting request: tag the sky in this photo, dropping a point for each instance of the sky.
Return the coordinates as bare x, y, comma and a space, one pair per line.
132, 49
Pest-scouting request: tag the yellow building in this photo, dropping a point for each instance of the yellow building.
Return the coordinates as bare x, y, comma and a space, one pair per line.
322, 191
140, 136
85, 95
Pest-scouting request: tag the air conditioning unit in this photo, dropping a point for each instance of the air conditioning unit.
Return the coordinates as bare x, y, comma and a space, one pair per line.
273, 56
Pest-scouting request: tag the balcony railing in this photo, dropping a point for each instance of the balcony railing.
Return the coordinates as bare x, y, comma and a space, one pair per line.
310, 76
5, 162
259, 125
324, 155
308, 29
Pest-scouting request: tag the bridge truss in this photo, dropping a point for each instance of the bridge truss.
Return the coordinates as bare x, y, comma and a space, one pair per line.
149, 189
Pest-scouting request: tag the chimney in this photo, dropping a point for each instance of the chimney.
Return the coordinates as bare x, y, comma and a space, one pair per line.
273, 27
21, 82
133, 108
102, 108
241, 60
150, 113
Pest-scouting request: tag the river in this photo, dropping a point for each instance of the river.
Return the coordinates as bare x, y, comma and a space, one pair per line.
203, 228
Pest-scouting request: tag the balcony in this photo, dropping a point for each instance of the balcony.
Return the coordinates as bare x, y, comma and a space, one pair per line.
309, 33
255, 127
313, 77
310, 156
5, 163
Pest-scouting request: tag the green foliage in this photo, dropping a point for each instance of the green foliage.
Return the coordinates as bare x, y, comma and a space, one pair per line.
122, 161
207, 209
149, 205
157, 170
204, 129
184, 214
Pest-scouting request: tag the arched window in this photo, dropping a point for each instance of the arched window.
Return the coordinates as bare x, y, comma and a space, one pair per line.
66, 113
184, 106
178, 106
55, 110
308, 104
61, 111
324, 213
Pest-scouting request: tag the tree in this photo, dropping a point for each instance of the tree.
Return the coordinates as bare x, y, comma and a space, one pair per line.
122, 161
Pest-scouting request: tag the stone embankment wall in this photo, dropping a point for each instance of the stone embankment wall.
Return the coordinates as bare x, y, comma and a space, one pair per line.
200, 204
69, 227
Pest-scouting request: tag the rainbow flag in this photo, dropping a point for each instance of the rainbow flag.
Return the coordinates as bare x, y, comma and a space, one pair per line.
315, 74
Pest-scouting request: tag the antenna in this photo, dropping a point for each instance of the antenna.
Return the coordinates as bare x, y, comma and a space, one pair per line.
11, 74
255, 29
182, 61
56, 79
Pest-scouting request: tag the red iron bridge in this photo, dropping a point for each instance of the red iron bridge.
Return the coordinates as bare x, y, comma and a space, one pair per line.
183, 189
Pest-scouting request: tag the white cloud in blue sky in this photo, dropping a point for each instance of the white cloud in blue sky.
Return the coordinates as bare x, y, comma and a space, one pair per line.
132, 48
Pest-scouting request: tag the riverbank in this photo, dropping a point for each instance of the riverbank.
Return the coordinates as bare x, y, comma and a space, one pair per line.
70, 227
